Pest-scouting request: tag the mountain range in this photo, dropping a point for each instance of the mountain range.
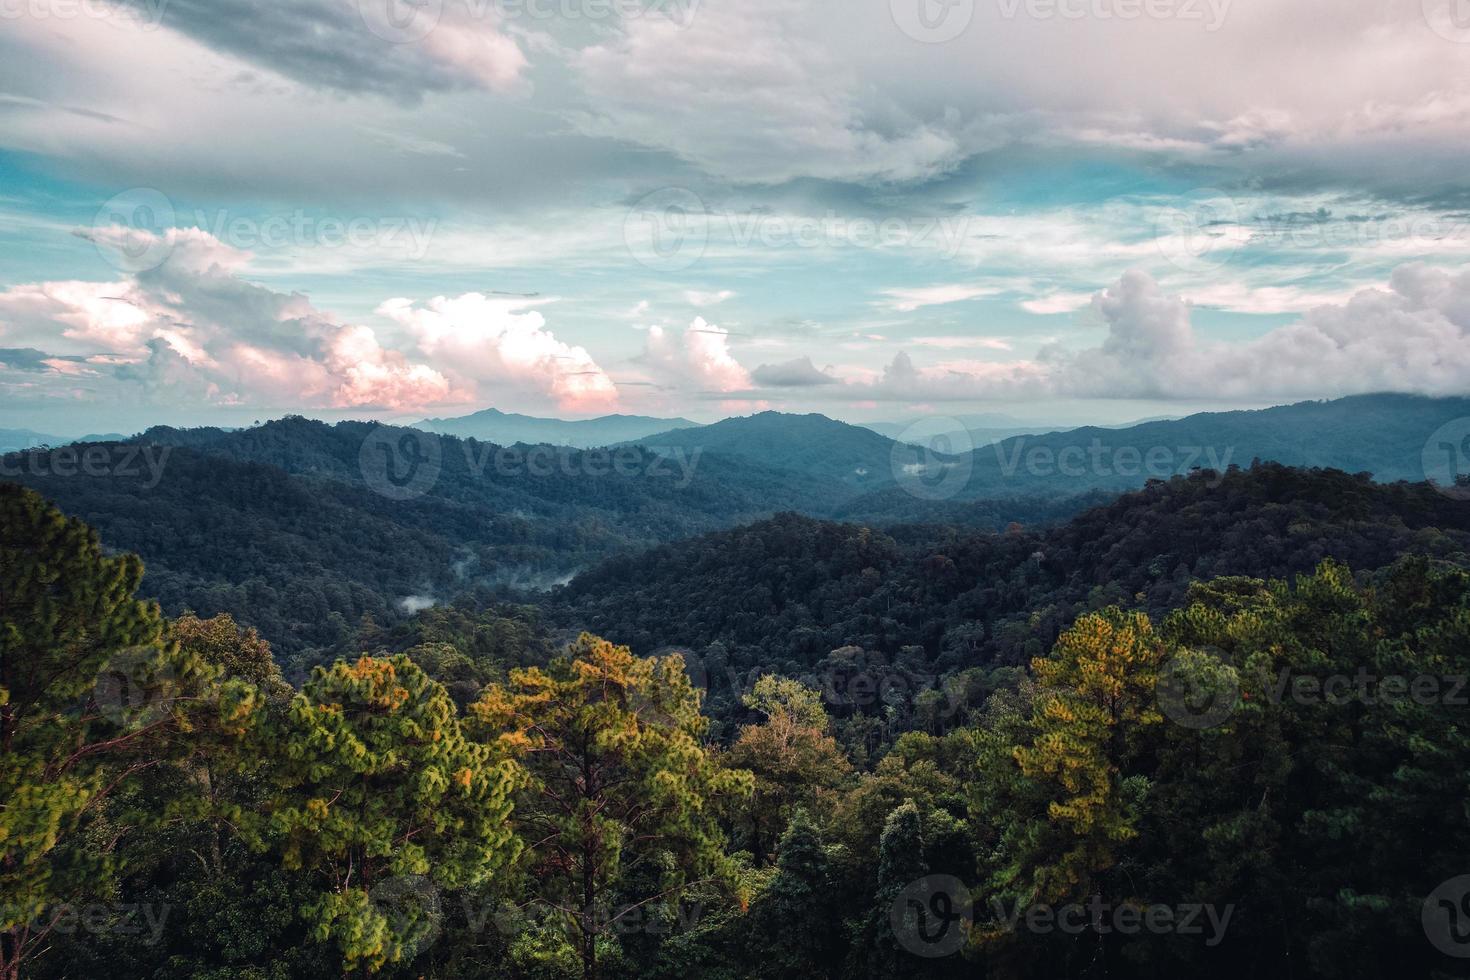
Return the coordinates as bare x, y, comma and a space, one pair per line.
507, 429
309, 527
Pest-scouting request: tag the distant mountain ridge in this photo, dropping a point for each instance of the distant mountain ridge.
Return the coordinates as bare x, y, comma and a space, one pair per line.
812, 444
1386, 435
508, 429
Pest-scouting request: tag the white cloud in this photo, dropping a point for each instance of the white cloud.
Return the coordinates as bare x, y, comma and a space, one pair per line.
194, 329
696, 297
498, 343
700, 355
909, 300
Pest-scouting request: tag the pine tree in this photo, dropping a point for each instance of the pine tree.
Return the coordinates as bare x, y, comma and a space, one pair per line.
792, 922
91, 695
386, 802
1096, 699
621, 786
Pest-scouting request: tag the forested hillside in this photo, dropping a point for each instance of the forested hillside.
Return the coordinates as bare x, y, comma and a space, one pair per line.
784, 594
286, 525
1163, 772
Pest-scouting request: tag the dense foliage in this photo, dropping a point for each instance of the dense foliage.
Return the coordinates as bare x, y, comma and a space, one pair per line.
1176, 736
280, 526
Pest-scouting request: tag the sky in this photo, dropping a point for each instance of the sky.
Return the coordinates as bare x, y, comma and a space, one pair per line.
218, 211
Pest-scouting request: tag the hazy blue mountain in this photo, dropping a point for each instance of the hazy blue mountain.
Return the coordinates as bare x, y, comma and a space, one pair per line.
812, 444
980, 430
1389, 436
12, 440
506, 429
1384, 435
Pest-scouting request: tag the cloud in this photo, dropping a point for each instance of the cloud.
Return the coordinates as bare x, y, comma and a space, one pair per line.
1413, 336
330, 44
697, 297
752, 92
38, 361
193, 330
701, 356
499, 343
797, 373
909, 300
